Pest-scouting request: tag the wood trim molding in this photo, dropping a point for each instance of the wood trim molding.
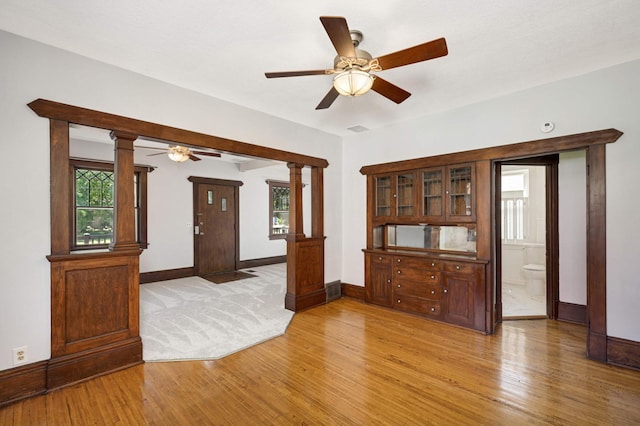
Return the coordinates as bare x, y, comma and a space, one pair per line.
164, 275
502, 152
596, 253
254, 263
23, 382
623, 352
353, 291
73, 114
572, 312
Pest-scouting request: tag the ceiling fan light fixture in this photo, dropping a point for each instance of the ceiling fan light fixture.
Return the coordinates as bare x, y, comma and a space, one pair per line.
353, 82
179, 154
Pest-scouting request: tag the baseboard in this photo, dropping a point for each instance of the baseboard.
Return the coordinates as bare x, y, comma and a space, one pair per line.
23, 382
572, 312
81, 366
624, 353
297, 303
353, 291
254, 263
167, 274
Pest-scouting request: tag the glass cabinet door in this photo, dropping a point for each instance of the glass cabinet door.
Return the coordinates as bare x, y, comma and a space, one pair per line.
432, 193
460, 190
383, 196
405, 195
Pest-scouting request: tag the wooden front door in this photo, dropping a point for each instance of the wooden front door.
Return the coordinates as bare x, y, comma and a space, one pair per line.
215, 225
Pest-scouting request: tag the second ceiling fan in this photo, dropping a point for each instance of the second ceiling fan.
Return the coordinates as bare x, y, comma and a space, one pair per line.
353, 67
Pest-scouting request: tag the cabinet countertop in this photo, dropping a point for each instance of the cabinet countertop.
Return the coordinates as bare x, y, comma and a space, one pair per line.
427, 255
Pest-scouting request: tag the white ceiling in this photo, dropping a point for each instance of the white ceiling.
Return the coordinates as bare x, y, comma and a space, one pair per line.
222, 48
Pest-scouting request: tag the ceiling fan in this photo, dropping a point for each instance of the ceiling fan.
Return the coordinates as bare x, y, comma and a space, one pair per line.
353, 67
181, 154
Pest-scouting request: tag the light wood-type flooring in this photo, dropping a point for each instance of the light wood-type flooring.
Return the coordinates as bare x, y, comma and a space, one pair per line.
347, 363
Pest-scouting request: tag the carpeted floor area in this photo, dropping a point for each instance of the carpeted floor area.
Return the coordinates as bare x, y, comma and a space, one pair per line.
192, 318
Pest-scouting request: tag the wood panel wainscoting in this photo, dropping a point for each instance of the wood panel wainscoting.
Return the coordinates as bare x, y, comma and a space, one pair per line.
95, 315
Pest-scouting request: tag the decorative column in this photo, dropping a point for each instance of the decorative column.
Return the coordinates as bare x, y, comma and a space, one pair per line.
124, 225
317, 202
59, 182
305, 256
596, 254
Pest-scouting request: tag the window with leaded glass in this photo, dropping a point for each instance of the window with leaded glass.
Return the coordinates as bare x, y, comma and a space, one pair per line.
93, 204
278, 209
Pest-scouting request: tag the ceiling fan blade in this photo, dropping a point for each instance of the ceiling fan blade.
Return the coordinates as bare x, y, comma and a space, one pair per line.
158, 153
338, 31
390, 91
328, 99
194, 158
422, 52
210, 154
296, 73
150, 147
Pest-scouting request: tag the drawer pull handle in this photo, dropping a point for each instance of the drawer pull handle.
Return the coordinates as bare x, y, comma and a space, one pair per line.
432, 291
398, 285
433, 263
458, 267
399, 271
398, 300
445, 290
389, 280
398, 260
380, 258
433, 277
433, 309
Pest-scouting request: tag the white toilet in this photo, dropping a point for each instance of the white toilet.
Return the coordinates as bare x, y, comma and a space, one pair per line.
534, 271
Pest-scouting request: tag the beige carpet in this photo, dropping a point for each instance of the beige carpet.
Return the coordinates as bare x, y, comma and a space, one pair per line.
192, 318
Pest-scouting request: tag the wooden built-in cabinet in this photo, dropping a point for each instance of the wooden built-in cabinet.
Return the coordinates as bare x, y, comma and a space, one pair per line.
426, 276
437, 287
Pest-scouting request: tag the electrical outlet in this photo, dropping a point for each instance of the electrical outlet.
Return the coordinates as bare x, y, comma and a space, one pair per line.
20, 355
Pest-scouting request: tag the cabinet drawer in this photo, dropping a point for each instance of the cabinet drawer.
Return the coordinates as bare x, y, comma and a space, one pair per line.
419, 275
380, 258
462, 267
412, 262
431, 291
416, 304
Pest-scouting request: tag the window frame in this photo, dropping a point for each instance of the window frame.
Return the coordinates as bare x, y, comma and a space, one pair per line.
141, 191
273, 184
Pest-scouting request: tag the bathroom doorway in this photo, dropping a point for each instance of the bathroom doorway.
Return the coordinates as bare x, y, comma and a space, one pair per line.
527, 238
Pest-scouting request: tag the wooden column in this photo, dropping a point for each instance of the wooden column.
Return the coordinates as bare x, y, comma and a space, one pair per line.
59, 184
317, 202
596, 254
305, 256
124, 225
296, 226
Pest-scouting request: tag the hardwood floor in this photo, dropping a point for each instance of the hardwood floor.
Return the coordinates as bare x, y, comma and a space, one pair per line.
350, 363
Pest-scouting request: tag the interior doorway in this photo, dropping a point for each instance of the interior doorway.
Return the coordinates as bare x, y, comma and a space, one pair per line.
527, 238
216, 233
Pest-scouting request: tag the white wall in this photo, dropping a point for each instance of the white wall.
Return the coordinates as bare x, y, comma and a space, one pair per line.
600, 100
31, 70
572, 225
